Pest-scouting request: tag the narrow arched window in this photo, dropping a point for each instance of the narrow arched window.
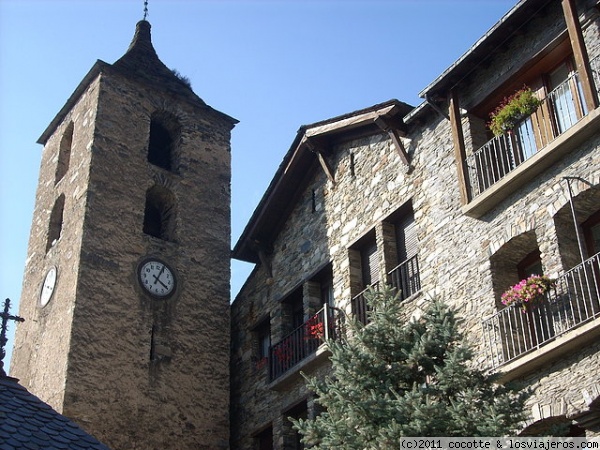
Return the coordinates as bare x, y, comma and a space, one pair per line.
56, 222
64, 153
162, 145
160, 213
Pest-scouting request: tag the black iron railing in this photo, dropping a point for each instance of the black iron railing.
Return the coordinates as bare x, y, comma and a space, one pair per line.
404, 277
360, 307
511, 333
559, 111
304, 341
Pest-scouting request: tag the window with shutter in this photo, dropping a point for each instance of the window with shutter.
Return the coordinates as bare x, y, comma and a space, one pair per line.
405, 276
406, 237
370, 264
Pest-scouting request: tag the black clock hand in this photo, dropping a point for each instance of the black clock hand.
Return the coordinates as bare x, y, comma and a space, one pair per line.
164, 285
156, 277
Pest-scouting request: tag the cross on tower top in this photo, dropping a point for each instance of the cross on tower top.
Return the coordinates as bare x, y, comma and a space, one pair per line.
5, 317
145, 9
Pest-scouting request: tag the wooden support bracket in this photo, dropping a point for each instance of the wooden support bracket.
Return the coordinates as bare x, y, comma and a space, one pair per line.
459, 149
580, 53
395, 137
313, 147
265, 262
258, 247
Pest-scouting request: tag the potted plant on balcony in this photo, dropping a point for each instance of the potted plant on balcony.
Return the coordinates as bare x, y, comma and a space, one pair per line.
261, 362
315, 328
528, 293
284, 352
512, 110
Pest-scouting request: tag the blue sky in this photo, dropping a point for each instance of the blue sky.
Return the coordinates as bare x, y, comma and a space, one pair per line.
273, 65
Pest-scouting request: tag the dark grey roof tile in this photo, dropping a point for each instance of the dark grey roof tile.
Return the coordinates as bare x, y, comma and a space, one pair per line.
26, 422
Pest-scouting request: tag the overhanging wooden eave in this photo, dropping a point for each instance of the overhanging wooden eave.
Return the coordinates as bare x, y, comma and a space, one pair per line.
351, 122
311, 147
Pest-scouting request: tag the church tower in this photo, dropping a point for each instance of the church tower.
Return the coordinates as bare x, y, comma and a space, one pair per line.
126, 286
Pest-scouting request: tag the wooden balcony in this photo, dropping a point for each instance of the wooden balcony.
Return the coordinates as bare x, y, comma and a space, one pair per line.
570, 312
559, 111
506, 162
304, 341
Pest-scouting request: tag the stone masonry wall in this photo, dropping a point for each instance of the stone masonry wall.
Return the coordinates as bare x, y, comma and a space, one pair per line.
41, 344
454, 250
134, 371
163, 364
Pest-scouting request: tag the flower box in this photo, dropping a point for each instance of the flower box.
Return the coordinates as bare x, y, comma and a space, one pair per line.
529, 292
512, 110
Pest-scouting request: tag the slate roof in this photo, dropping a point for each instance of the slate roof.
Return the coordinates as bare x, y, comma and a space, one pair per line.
141, 62
26, 422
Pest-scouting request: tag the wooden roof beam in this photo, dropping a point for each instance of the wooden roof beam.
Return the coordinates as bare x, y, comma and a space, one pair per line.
459, 149
348, 123
580, 53
259, 248
392, 132
316, 149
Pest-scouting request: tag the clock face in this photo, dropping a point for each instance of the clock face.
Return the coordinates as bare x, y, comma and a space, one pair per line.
48, 286
157, 278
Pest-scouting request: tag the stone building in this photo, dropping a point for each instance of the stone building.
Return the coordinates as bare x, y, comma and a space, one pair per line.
127, 276
427, 199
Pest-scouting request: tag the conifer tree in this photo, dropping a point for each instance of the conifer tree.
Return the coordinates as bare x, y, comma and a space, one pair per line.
391, 380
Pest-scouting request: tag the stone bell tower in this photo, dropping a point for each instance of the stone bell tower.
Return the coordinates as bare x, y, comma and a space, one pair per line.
126, 285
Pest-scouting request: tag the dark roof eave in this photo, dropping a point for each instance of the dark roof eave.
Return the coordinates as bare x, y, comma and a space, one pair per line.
99, 67
518, 15
30, 421
297, 160
96, 69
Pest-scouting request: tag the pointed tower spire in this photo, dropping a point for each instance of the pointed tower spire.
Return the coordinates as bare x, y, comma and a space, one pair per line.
142, 62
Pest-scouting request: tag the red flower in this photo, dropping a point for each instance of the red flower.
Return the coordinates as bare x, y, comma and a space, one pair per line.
315, 328
528, 292
283, 352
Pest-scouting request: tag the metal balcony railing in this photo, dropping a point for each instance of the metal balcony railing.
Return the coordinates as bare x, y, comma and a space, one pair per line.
360, 307
559, 111
304, 341
404, 277
511, 333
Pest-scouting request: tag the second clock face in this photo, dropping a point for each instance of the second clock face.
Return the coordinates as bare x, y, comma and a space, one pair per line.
48, 287
157, 278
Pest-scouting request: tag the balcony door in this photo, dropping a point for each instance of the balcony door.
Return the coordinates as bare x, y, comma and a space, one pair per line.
369, 258
562, 106
539, 319
565, 97
591, 231
530, 265
405, 277
364, 262
406, 237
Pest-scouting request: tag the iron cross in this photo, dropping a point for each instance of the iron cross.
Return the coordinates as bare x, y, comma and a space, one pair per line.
5, 316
